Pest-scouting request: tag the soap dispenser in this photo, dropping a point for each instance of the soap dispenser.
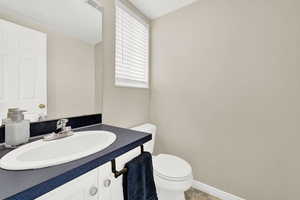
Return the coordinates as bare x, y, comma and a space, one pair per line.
16, 128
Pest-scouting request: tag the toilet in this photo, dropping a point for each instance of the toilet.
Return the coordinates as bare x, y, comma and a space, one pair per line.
172, 175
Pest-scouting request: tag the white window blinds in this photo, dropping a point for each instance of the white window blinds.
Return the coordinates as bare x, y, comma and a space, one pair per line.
132, 49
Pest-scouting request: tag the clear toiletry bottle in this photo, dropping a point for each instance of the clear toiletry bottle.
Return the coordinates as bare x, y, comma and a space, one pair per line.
16, 128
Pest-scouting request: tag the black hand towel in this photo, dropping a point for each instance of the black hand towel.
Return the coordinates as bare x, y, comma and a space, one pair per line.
138, 182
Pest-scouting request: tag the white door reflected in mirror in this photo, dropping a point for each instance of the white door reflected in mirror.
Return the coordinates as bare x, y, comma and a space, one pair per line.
23, 70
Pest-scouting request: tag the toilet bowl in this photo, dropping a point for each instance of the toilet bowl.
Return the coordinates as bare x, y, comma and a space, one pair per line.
172, 175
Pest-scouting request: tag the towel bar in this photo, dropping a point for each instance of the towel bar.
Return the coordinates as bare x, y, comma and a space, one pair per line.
124, 170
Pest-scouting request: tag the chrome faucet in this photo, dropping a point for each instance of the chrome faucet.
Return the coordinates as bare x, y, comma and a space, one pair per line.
62, 131
61, 126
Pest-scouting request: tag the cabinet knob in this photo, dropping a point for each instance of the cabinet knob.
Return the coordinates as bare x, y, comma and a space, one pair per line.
107, 183
93, 191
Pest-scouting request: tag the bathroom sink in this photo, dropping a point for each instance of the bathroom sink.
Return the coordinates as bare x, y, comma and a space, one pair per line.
40, 154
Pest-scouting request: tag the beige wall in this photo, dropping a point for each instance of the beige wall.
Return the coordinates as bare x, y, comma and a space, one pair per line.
124, 107
99, 65
71, 71
225, 94
71, 77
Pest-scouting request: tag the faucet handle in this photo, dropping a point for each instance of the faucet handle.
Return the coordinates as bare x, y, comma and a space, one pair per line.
62, 123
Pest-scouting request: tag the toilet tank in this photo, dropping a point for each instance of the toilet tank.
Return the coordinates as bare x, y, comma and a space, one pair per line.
148, 128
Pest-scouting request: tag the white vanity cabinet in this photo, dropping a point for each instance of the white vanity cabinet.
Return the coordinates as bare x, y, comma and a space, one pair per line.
98, 184
84, 187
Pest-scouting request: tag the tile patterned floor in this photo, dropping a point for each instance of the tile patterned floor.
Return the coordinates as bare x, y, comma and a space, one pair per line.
194, 194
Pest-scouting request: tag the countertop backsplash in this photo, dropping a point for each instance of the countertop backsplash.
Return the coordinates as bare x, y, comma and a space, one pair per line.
46, 127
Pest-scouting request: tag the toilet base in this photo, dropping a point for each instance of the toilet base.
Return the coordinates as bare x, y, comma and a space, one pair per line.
172, 190
170, 195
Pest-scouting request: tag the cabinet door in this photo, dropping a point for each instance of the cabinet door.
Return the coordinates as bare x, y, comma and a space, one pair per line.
83, 188
105, 182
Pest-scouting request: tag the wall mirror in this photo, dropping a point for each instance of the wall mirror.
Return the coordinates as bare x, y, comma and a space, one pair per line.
48, 60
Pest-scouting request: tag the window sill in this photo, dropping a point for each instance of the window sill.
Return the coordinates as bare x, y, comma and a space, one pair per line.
129, 84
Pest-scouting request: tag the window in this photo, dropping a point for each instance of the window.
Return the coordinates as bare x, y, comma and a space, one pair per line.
132, 49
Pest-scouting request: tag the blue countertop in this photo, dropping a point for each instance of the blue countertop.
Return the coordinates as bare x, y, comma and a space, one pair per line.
30, 184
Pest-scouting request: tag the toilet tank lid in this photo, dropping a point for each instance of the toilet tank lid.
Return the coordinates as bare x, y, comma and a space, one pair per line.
148, 128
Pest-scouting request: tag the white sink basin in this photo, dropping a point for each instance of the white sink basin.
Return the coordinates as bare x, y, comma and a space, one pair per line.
42, 154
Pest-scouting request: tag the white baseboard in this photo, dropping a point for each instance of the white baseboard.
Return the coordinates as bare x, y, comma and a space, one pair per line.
214, 191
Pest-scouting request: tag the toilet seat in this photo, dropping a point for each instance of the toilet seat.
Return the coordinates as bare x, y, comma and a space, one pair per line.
171, 168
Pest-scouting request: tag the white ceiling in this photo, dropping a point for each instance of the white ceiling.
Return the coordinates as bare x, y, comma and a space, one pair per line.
157, 8
72, 17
